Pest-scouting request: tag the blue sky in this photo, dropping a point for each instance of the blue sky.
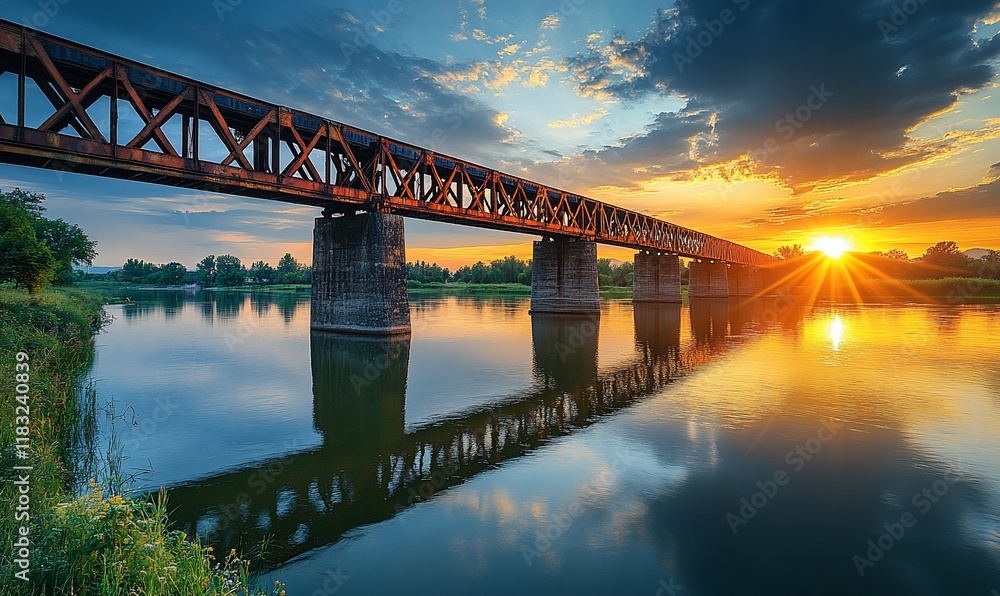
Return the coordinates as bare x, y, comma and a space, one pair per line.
767, 122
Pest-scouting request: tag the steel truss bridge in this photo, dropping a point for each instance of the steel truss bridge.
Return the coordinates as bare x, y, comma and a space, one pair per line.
109, 116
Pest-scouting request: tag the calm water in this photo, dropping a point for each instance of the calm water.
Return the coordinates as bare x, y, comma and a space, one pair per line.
725, 448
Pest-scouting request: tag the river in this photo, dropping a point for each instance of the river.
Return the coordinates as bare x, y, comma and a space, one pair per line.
732, 447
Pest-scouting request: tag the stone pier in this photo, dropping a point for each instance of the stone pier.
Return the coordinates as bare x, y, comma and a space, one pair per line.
709, 279
564, 277
746, 281
359, 275
657, 277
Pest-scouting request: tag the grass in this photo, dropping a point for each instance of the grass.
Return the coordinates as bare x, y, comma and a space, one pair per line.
99, 542
275, 289
416, 288
950, 290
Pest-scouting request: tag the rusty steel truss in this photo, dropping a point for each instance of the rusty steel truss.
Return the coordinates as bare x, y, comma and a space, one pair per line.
82, 110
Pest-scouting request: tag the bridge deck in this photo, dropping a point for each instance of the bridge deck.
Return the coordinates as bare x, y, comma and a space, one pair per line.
110, 116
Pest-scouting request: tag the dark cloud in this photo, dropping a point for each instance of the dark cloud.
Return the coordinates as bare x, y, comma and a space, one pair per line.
833, 89
332, 64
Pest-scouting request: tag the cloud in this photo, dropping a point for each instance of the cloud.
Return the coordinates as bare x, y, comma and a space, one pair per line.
980, 202
341, 72
578, 120
756, 65
550, 22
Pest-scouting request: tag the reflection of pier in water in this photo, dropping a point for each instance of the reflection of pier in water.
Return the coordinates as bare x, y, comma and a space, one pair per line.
369, 468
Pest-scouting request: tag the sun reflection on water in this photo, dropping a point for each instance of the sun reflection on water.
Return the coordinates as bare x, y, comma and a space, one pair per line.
836, 332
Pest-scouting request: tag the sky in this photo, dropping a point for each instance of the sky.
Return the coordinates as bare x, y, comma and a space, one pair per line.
765, 122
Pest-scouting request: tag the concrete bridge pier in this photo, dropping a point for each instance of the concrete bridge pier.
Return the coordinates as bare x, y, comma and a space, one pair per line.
564, 277
746, 281
657, 277
709, 279
359, 274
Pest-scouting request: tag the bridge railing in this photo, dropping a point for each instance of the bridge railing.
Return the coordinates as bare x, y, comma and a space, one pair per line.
84, 110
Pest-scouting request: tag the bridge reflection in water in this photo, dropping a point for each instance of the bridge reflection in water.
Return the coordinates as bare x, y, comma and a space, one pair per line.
369, 467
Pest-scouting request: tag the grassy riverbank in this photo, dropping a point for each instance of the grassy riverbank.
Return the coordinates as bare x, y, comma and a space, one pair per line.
96, 543
950, 290
418, 289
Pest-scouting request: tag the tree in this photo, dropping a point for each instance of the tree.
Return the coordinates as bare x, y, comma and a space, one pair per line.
261, 273
289, 271
26, 201
69, 245
66, 242
207, 271
24, 259
287, 264
947, 254
989, 265
603, 267
623, 274
790, 252
172, 274
229, 271
134, 271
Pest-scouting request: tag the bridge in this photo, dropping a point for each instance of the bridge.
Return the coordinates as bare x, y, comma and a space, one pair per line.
106, 115
370, 467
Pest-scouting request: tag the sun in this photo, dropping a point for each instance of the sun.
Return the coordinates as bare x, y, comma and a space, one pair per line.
832, 246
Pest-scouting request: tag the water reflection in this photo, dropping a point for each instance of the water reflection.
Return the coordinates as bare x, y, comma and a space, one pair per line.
565, 350
213, 305
369, 467
359, 389
657, 328
709, 319
649, 467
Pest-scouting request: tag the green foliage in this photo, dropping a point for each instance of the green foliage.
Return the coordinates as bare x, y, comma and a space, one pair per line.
988, 266
287, 264
946, 254
89, 544
125, 546
206, 271
261, 273
424, 273
612, 275
509, 270
141, 272
69, 245
172, 274
24, 259
26, 201
622, 274
229, 271
289, 271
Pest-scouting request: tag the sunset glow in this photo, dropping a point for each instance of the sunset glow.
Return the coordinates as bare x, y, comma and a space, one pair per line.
832, 246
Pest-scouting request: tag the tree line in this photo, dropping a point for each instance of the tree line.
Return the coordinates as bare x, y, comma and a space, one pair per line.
508, 270
36, 251
215, 271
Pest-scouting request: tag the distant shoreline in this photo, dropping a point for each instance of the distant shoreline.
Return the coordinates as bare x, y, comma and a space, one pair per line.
936, 291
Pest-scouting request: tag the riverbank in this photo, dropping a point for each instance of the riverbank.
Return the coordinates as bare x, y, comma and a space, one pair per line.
96, 543
414, 288
950, 290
